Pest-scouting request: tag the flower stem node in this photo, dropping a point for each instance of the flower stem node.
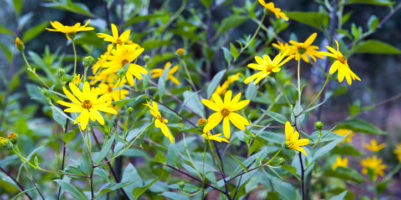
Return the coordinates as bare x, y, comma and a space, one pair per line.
88, 61
19, 44
319, 125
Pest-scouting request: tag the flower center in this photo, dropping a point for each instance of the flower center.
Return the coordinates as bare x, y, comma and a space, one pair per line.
124, 62
110, 89
301, 50
119, 42
225, 112
269, 68
86, 104
342, 59
160, 118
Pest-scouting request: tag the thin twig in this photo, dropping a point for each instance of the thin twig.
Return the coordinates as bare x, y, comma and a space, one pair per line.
63, 159
16, 182
222, 172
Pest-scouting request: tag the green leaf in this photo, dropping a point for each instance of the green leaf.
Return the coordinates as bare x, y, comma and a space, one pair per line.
85, 165
251, 91
382, 185
192, 100
373, 22
207, 3
14, 82
276, 116
360, 126
137, 192
137, 19
240, 163
67, 5
345, 174
174, 195
326, 148
69, 136
105, 149
18, 6
227, 55
291, 169
68, 187
339, 197
234, 51
314, 19
58, 117
346, 149
373, 2
215, 82
162, 81
5, 30
230, 23
160, 158
130, 174
7, 52
375, 46
114, 187
34, 31
151, 43
35, 93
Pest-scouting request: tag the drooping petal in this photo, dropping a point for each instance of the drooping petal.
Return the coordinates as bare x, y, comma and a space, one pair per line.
238, 121
226, 127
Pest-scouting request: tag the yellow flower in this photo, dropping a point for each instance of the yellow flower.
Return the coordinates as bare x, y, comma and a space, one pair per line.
215, 137
160, 122
397, 152
3, 142
77, 79
340, 162
373, 146
221, 89
123, 55
344, 132
266, 66
69, 31
101, 60
202, 122
341, 64
305, 49
114, 91
180, 51
87, 103
277, 11
19, 44
373, 164
292, 139
225, 111
159, 72
283, 47
114, 38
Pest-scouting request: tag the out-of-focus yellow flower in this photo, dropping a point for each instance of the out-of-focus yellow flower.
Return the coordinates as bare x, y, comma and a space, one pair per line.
283, 47
344, 132
340, 64
305, 49
159, 72
277, 11
87, 103
160, 122
215, 137
340, 162
180, 51
373, 146
266, 66
77, 79
69, 31
3, 142
375, 165
397, 152
114, 90
19, 44
226, 111
115, 38
121, 56
221, 89
292, 140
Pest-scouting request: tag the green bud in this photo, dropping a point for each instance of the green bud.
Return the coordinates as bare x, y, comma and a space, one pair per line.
130, 109
319, 125
88, 61
12, 137
146, 58
60, 72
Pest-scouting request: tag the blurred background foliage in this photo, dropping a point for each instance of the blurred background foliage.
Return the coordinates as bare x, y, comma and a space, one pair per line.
202, 28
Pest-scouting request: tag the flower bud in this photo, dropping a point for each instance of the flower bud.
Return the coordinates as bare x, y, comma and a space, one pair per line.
88, 61
202, 122
4, 143
319, 125
146, 58
12, 137
19, 44
180, 51
60, 72
130, 109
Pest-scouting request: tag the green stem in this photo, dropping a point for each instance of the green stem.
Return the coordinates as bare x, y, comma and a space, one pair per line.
30, 69
187, 72
282, 91
203, 171
320, 93
75, 57
299, 84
